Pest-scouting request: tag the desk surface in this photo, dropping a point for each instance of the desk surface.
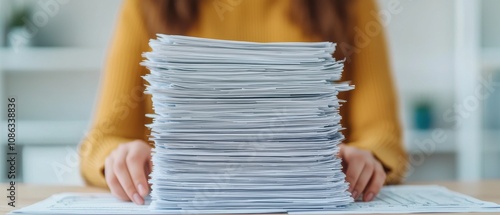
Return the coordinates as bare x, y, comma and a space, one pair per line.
28, 194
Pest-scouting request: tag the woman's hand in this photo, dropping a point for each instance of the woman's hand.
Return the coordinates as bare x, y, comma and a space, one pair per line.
363, 171
126, 170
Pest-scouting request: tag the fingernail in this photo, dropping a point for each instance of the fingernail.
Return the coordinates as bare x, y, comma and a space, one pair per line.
355, 194
142, 190
137, 199
368, 197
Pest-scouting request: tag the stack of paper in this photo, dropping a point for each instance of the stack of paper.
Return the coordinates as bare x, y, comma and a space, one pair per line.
245, 127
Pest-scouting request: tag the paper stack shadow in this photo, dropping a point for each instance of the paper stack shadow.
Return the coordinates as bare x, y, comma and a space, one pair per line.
242, 127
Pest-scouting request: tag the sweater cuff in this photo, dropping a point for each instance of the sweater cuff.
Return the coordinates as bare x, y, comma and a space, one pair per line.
93, 153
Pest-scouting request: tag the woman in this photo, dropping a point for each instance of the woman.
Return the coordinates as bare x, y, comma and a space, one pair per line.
116, 153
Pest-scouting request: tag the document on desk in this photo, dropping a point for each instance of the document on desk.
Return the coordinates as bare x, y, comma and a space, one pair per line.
392, 199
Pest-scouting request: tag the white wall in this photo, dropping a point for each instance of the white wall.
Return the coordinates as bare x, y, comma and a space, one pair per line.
422, 45
80, 23
421, 40
55, 165
3, 16
490, 36
77, 23
56, 96
490, 24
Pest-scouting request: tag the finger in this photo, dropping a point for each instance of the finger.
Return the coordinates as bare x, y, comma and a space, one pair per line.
136, 163
113, 183
341, 152
376, 183
122, 173
352, 174
149, 166
364, 178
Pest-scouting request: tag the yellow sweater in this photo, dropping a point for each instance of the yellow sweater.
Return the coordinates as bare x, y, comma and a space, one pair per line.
371, 119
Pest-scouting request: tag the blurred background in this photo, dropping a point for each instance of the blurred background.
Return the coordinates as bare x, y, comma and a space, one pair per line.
445, 57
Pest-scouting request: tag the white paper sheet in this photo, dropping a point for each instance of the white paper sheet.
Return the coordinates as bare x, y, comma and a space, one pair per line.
392, 199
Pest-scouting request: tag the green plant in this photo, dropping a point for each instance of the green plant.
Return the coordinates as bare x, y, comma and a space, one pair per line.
18, 18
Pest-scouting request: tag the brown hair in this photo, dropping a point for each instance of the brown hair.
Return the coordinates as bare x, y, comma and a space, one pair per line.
328, 19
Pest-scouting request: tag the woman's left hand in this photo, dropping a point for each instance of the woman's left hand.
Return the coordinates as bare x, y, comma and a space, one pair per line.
364, 172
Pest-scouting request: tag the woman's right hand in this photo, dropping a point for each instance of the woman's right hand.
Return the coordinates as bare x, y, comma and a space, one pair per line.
126, 170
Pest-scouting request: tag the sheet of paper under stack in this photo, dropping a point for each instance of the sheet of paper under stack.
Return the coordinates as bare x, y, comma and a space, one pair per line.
243, 127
